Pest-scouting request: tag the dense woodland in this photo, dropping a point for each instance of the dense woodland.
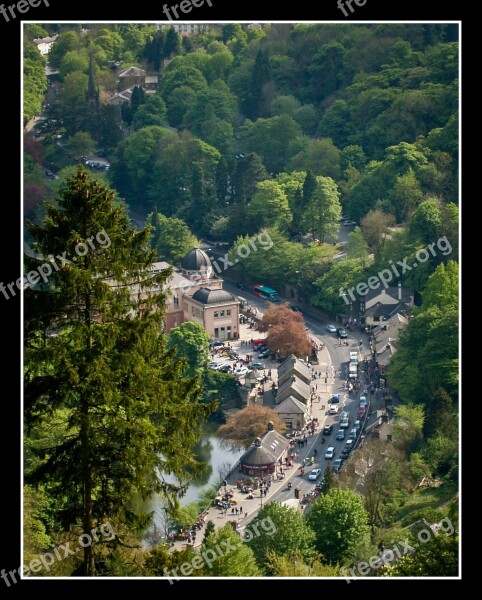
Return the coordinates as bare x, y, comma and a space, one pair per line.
283, 128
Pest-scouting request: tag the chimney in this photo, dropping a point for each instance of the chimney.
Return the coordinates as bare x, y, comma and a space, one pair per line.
270, 426
400, 291
257, 442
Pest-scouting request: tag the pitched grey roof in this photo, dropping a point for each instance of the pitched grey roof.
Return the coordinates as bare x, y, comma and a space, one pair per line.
291, 406
132, 72
392, 291
301, 388
387, 310
293, 366
275, 442
388, 336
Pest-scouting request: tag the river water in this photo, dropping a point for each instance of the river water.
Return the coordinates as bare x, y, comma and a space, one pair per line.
218, 457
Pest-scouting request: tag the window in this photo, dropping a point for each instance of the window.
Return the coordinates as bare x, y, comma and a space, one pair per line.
221, 313
216, 314
176, 301
228, 312
216, 332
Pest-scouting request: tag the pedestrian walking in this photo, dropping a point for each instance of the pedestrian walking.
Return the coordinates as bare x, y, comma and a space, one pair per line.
232, 511
240, 510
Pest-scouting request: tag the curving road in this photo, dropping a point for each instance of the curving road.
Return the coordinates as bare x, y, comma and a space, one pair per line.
333, 359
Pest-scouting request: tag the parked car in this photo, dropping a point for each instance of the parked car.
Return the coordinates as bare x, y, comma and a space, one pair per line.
349, 445
363, 402
342, 334
337, 465
335, 399
327, 429
261, 348
241, 371
349, 223
353, 434
256, 365
344, 420
265, 353
214, 365
331, 328
345, 453
313, 475
225, 368
333, 409
357, 425
361, 413
330, 452
241, 286
258, 343
340, 434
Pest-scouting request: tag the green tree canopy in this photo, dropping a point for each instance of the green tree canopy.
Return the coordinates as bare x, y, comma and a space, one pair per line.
282, 530
190, 343
108, 367
232, 557
340, 523
270, 207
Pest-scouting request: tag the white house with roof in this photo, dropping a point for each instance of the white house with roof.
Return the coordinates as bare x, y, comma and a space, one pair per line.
45, 44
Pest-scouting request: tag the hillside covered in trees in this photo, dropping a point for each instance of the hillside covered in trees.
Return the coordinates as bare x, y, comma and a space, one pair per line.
287, 128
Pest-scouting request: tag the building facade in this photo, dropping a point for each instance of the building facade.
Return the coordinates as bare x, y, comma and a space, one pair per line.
195, 293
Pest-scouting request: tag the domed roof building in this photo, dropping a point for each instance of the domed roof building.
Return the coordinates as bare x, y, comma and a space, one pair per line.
196, 294
217, 310
265, 456
207, 296
197, 262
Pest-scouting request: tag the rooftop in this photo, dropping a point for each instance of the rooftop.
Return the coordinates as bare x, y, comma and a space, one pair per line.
207, 296
292, 406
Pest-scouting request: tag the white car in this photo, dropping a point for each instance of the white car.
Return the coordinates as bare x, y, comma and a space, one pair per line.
349, 223
330, 452
314, 474
331, 328
241, 371
333, 409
